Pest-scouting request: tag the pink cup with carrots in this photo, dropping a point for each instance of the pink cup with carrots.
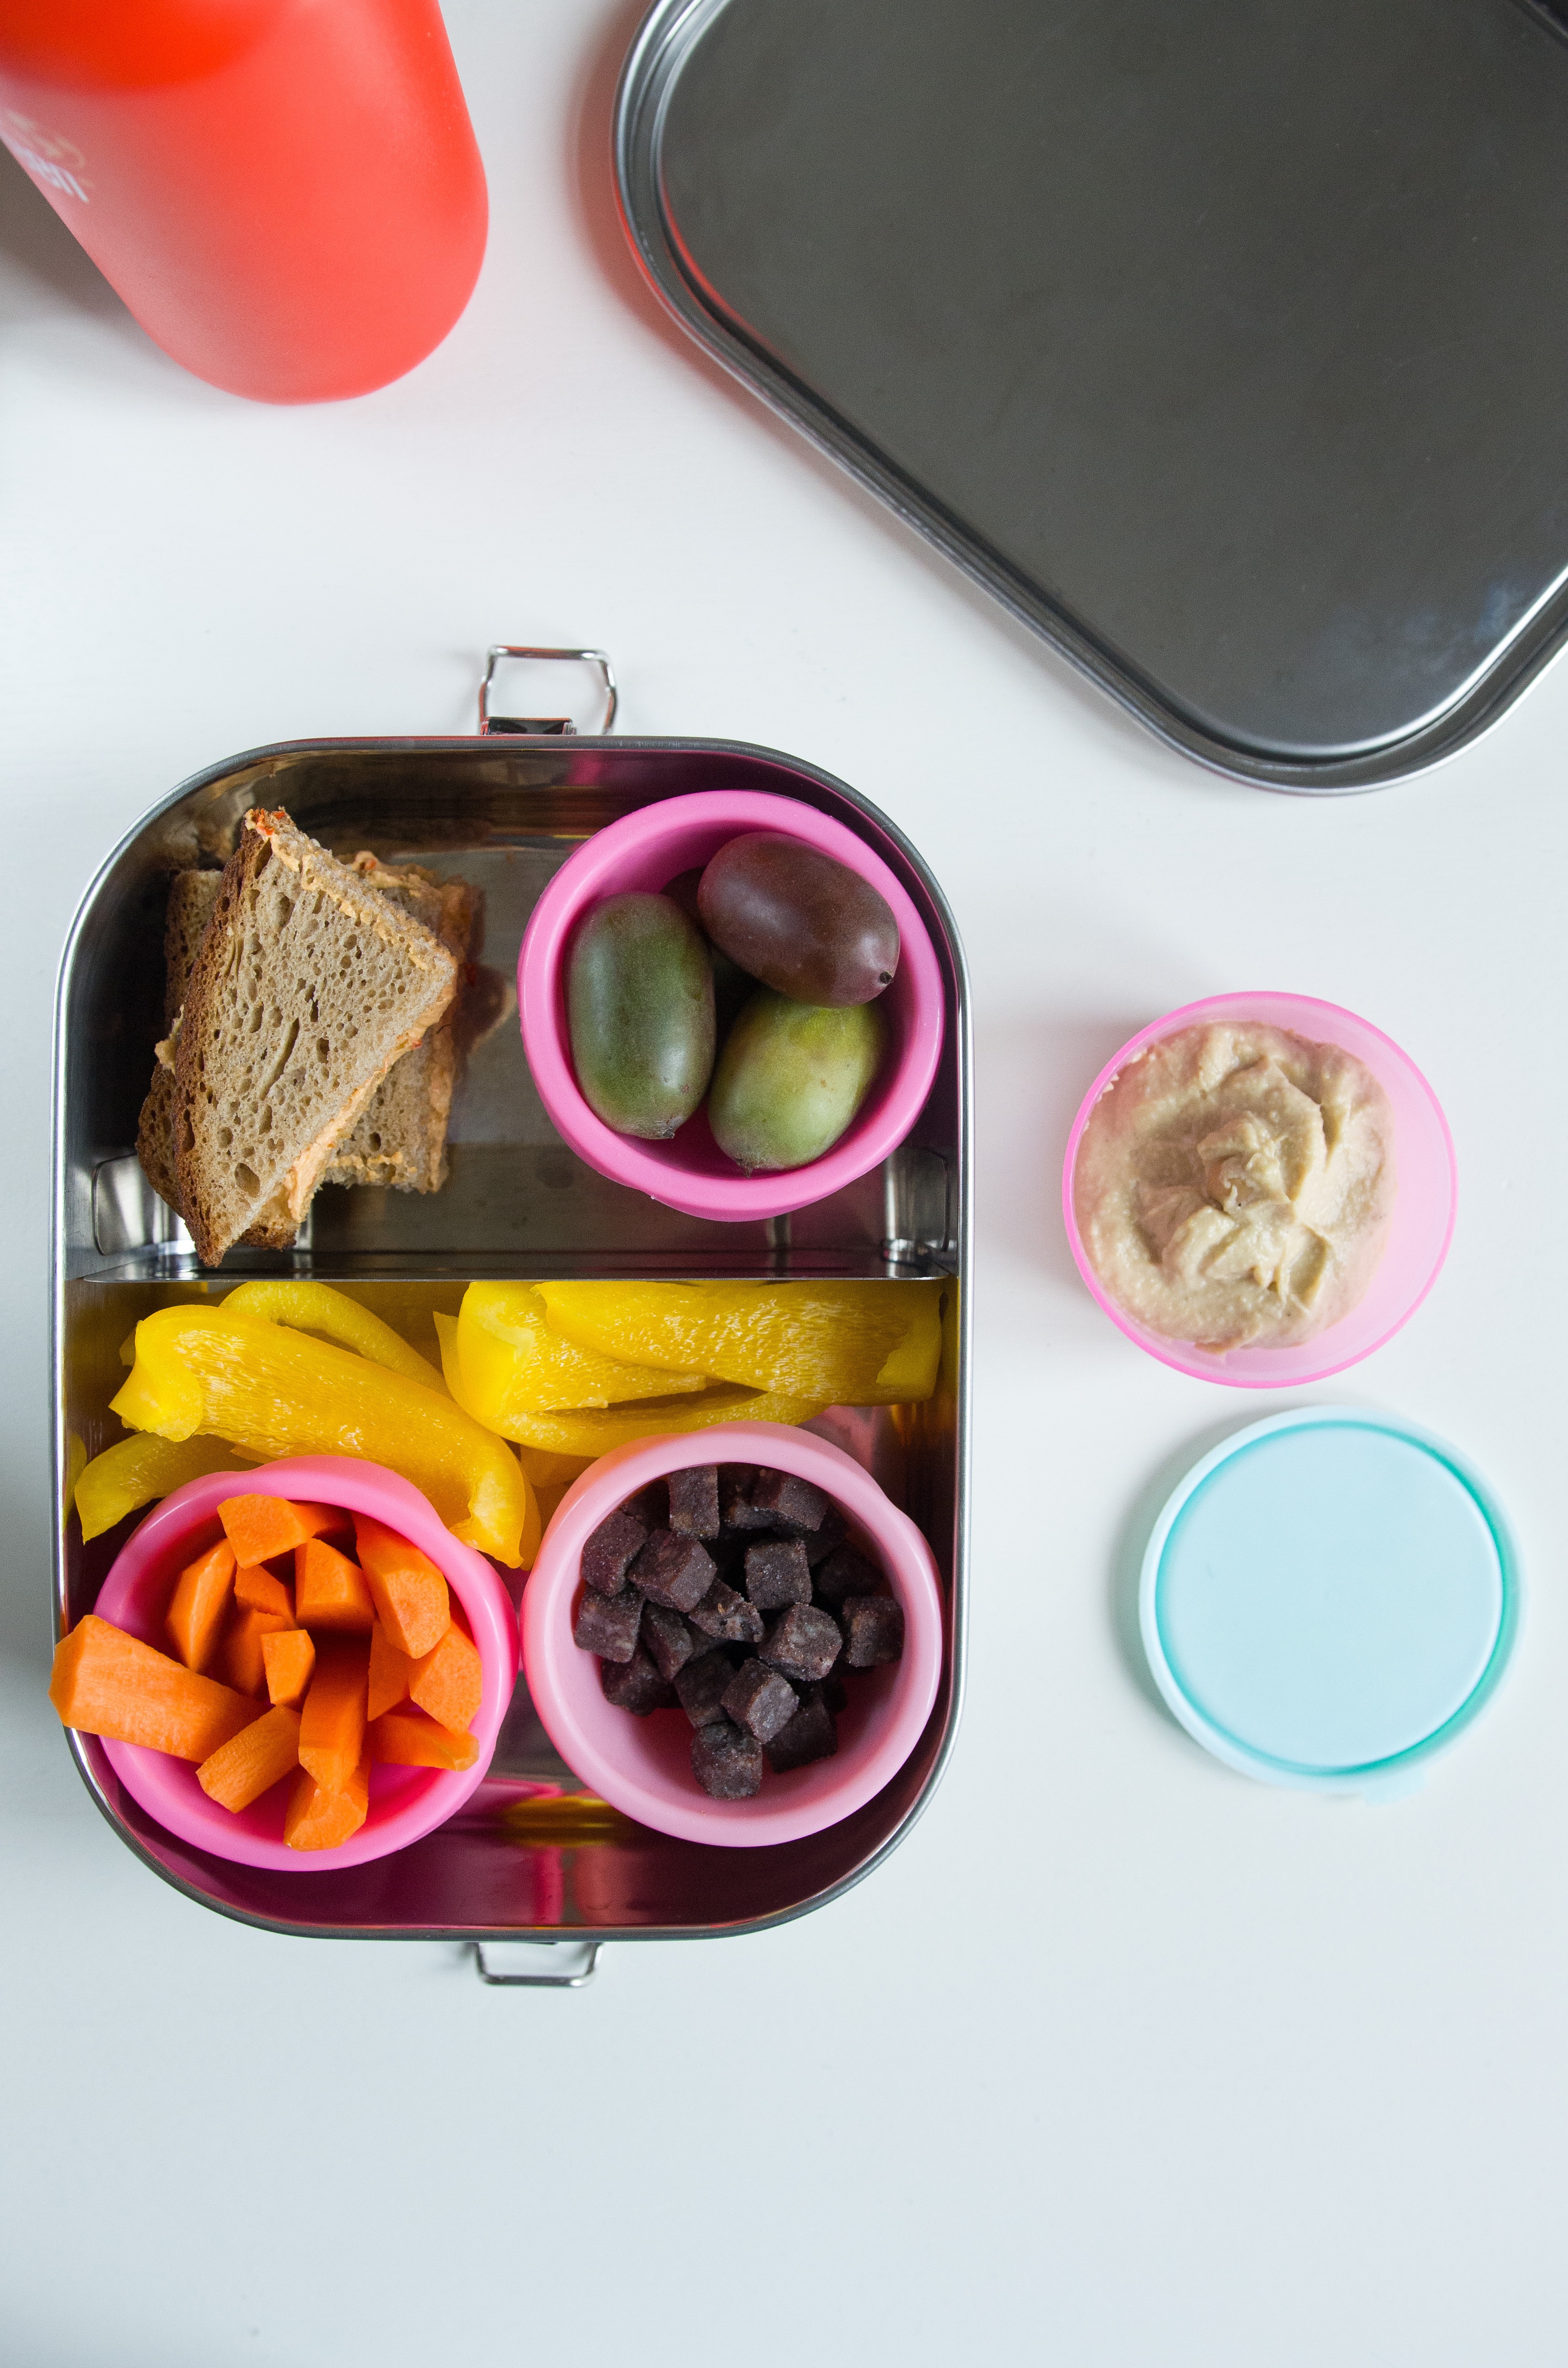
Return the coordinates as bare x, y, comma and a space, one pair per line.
297, 1666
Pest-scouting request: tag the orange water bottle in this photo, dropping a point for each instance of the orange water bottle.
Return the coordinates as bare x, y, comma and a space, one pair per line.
287, 193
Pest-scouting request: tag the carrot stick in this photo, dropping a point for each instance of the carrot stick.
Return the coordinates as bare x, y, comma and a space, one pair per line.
410, 1593
448, 1681
240, 1661
332, 1725
289, 1657
330, 1590
409, 1739
199, 1603
105, 1683
251, 1762
315, 1819
389, 1674
258, 1590
260, 1527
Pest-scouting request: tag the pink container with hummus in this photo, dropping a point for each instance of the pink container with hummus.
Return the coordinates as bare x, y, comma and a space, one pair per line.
1209, 1218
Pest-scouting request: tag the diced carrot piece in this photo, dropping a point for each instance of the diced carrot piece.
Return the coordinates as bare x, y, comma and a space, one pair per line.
332, 1725
287, 1657
260, 1589
411, 1603
316, 1819
448, 1681
240, 1661
389, 1674
259, 1527
330, 1590
409, 1739
264, 1526
251, 1762
199, 1602
105, 1683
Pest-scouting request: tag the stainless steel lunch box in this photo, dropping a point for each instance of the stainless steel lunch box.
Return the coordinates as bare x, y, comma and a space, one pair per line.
504, 809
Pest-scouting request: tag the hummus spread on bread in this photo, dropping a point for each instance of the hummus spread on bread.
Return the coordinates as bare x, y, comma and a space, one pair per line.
1234, 1186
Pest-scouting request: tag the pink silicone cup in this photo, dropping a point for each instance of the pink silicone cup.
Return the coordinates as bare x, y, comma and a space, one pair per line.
406, 1803
643, 1765
647, 850
1423, 1221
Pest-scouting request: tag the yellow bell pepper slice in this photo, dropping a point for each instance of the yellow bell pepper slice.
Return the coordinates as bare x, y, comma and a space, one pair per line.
589, 1431
547, 1471
316, 1307
838, 1343
139, 1470
512, 1363
75, 1465
277, 1392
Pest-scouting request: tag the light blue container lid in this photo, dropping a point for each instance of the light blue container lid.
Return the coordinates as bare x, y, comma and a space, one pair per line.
1329, 1598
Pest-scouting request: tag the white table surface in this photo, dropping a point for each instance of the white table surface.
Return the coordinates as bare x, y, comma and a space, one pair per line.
1122, 2061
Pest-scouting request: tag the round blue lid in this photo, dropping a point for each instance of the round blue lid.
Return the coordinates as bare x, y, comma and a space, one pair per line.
1329, 1596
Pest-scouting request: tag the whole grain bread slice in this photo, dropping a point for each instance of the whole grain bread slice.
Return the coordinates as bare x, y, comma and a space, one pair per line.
400, 1140
308, 984
192, 896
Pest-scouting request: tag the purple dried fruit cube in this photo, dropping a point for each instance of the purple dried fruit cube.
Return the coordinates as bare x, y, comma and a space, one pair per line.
700, 1687
702, 1643
735, 1483
759, 1699
726, 1762
728, 1616
729, 1552
694, 1501
829, 1534
636, 1685
650, 1505
608, 1624
845, 1573
803, 1643
609, 1549
793, 1506
674, 1571
778, 1573
809, 1734
873, 1630
667, 1639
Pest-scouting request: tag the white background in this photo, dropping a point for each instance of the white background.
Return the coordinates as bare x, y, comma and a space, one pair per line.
1121, 2059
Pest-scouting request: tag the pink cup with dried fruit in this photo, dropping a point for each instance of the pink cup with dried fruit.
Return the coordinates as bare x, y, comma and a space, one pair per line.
643, 1765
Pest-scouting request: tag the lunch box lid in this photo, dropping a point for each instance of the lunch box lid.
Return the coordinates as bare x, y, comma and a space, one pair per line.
1228, 346
1328, 1598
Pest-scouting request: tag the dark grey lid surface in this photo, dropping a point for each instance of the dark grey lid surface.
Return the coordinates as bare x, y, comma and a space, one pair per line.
1226, 340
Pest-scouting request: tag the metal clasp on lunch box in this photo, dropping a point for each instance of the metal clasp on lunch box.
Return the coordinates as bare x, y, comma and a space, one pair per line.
577, 1981
558, 726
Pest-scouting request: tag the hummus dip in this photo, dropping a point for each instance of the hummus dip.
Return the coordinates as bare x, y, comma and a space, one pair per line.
1234, 1186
